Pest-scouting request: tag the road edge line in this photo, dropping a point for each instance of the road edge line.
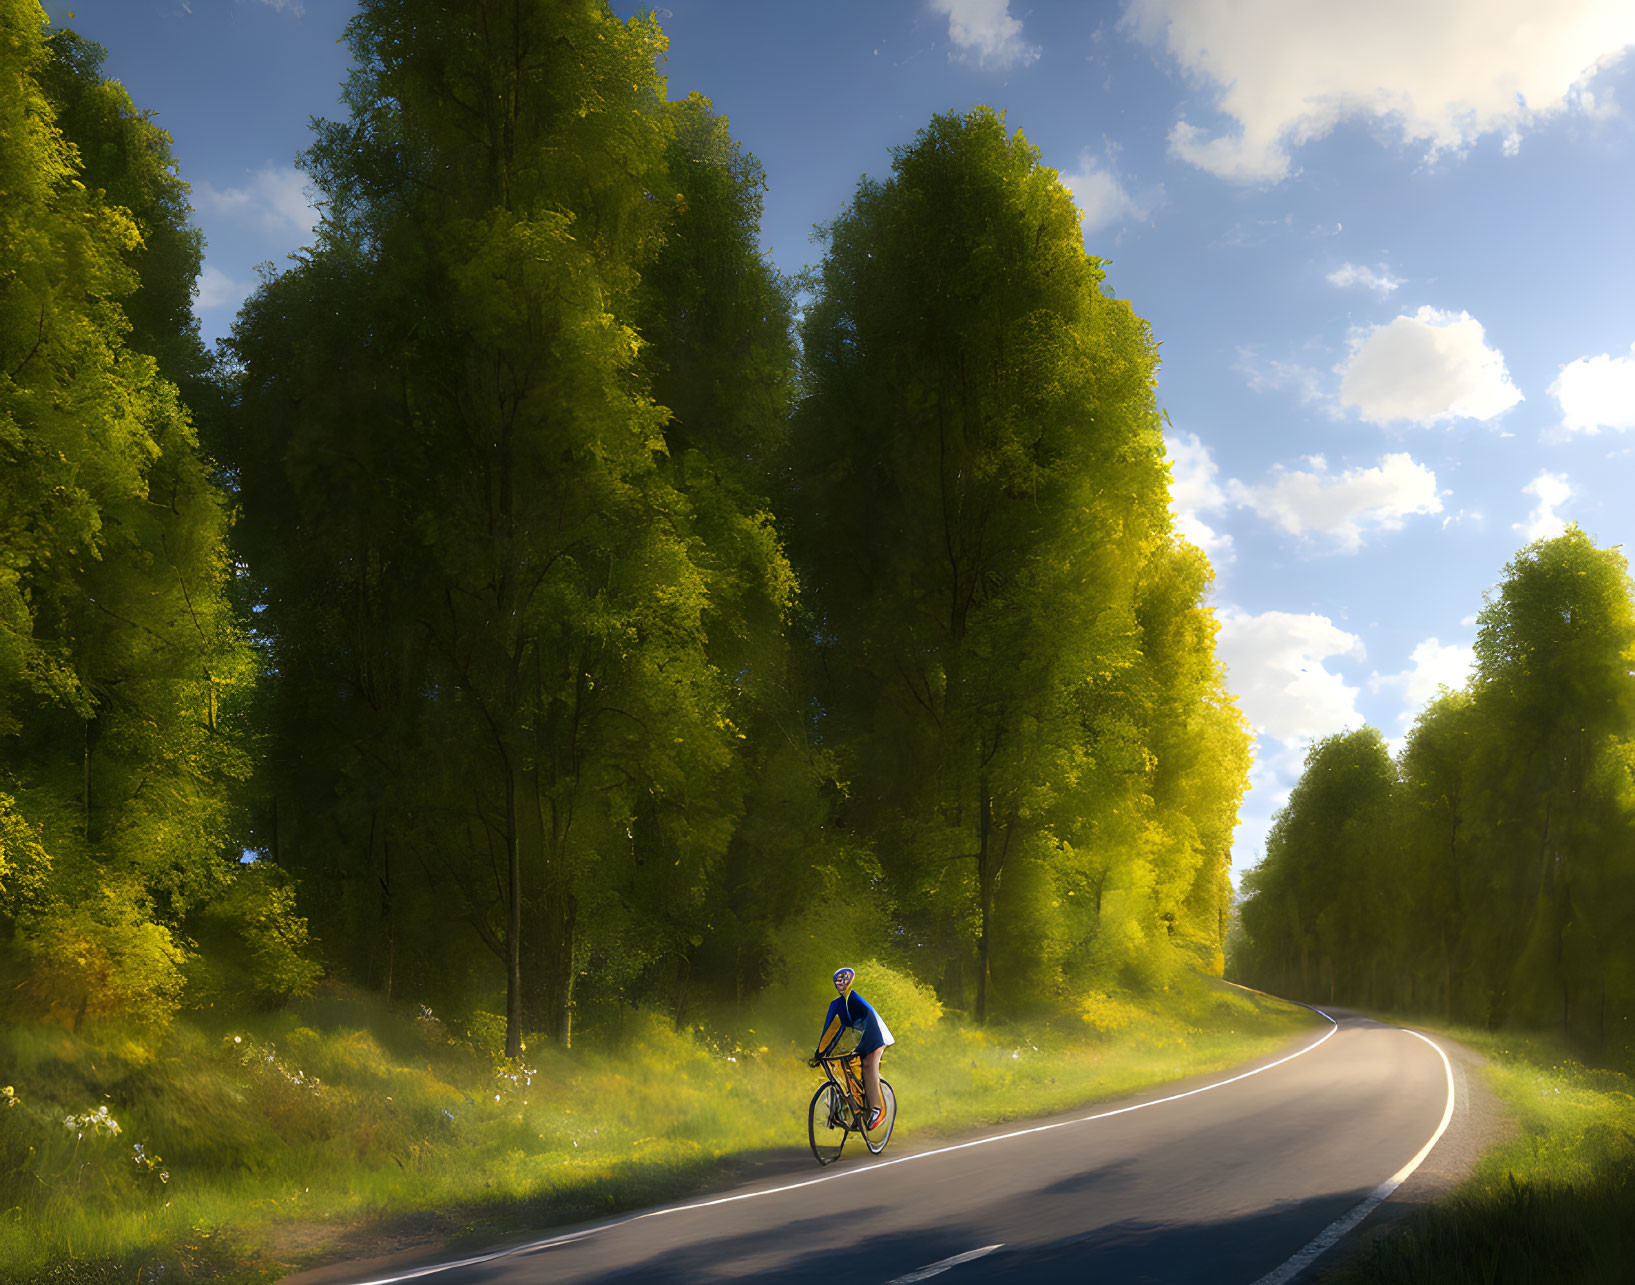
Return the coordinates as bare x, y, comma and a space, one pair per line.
943, 1264
1330, 1235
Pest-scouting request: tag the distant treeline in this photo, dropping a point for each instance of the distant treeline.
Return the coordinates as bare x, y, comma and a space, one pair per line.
587, 630
1488, 873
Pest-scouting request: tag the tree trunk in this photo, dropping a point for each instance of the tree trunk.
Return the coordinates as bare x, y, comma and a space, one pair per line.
513, 935
391, 918
990, 864
85, 791
564, 910
984, 890
683, 972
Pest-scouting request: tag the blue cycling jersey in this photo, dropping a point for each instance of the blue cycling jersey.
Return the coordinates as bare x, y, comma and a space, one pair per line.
851, 1012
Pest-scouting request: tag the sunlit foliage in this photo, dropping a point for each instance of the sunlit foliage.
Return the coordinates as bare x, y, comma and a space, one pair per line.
1019, 669
123, 671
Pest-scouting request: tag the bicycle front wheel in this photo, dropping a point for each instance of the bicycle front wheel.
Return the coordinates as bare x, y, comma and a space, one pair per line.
826, 1123
875, 1139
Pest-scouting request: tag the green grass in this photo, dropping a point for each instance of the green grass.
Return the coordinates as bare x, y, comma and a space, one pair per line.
298, 1136
1555, 1205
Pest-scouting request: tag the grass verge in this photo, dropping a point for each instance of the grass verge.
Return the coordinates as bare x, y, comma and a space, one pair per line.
1555, 1205
242, 1152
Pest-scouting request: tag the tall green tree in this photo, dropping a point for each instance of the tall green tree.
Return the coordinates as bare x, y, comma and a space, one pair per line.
717, 330
1436, 906
121, 663
1316, 902
1556, 692
126, 157
1198, 751
502, 604
977, 485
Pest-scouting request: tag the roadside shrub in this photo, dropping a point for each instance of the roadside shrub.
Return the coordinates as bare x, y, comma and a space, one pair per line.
909, 1007
254, 943
1105, 1014
97, 953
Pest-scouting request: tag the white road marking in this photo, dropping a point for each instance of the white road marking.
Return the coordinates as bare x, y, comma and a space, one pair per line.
942, 1265
554, 1241
1331, 1234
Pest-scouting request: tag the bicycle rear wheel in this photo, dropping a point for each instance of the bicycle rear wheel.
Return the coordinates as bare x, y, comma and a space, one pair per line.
825, 1123
875, 1139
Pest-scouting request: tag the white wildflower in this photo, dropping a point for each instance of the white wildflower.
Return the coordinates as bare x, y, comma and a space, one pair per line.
96, 1122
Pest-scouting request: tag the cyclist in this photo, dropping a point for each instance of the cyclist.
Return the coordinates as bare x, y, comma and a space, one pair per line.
850, 1011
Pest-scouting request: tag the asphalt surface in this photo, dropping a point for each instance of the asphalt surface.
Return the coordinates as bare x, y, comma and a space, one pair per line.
1225, 1184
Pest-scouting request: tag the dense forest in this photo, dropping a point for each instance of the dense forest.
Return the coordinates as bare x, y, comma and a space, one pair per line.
540, 605
1485, 873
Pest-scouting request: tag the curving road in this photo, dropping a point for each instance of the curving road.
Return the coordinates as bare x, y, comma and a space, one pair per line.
1243, 1176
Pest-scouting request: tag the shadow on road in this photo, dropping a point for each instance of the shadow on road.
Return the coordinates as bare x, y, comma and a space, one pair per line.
1216, 1253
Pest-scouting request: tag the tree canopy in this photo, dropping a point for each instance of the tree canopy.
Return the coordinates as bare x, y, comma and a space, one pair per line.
1495, 853
550, 622
978, 502
123, 668
547, 623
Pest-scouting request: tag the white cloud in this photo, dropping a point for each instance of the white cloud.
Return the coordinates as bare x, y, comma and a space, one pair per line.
1268, 375
1550, 490
1102, 199
292, 7
1353, 274
1193, 491
1426, 367
216, 289
1443, 74
1597, 393
1343, 506
274, 199
1435, 665
985, 34
1602, 106
1274, 664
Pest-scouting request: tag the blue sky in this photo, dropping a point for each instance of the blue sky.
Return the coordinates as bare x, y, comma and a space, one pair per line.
1387, 247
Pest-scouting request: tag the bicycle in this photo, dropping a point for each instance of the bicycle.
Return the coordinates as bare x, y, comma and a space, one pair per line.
840, 1108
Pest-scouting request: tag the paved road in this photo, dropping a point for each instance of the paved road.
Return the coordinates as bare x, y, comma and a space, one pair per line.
1223, 1183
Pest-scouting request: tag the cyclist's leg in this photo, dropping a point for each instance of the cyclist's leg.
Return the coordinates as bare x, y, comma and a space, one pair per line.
852, 1069
871, 1077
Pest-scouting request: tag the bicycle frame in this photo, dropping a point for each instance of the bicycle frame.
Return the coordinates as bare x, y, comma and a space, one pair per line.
850, 1084
845, 1109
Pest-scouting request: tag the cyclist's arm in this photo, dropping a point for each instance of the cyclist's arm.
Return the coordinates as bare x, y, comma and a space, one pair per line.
831, 1032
